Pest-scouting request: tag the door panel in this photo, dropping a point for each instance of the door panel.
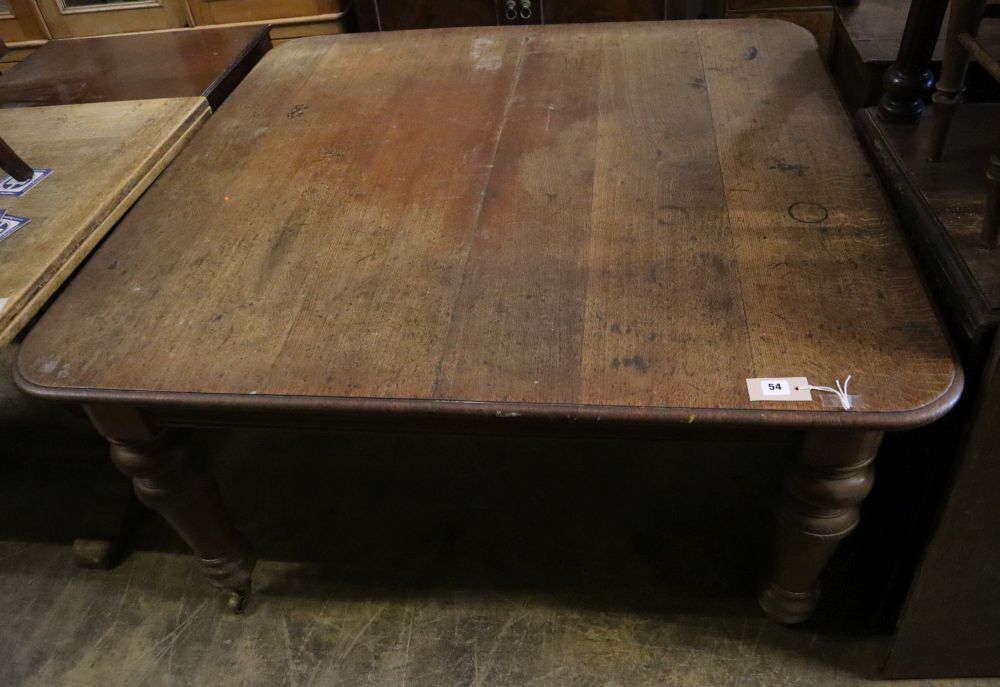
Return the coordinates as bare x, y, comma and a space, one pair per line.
73, 18
19, 21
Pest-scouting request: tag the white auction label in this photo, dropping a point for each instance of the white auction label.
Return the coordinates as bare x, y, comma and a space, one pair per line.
779, 389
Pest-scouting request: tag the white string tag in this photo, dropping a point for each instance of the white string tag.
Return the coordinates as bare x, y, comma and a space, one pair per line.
840, 392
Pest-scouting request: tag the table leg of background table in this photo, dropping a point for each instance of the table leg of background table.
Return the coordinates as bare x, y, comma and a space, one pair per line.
821, 505
166, 479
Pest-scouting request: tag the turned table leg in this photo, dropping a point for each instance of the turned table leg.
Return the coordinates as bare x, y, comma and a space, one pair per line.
821, 505
166, 479
910, 77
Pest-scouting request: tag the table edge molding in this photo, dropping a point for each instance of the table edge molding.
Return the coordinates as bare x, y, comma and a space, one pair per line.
508, 412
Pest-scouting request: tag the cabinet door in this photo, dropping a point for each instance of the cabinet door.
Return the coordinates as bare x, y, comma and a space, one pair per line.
388, 15
19, 21
568, 11
207, 12
74, 18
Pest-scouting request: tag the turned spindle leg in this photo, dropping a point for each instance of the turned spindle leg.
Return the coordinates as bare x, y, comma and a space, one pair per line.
910, 76
820, 507
965, 17
166, 479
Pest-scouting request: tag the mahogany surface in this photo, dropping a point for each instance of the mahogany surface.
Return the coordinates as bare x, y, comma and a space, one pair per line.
186, 62
547, 233
520, 229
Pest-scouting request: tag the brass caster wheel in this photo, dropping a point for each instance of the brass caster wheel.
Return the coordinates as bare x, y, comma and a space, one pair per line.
236, 601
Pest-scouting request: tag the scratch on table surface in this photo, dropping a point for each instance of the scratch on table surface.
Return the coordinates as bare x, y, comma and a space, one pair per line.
295, 657
350, 646
121, 598
487, 666
289, 656
760, 631
406, 653
168, 642
545, 676
172, 644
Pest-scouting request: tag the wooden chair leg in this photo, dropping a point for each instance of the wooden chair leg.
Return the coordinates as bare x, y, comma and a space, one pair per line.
12, 163
964, 18
166, 479
821, 506
991, 216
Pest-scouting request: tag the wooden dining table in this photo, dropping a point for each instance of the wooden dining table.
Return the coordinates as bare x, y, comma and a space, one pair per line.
656, 227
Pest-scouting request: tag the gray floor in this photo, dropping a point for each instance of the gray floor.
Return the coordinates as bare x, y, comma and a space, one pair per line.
424, 560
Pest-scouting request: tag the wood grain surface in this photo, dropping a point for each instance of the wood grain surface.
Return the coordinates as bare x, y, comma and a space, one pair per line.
165, 64
103, 156
585, 220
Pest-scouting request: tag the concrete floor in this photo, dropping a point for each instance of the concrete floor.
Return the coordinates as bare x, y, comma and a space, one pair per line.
422, 560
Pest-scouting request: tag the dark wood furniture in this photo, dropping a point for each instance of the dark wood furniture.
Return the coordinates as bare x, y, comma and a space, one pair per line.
941, 208
867, 40
909, 80
961, 45
376, 15
510, 241
187, 62
948, 623
387, 15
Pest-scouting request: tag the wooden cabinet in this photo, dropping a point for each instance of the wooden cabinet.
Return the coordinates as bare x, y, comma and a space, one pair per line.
388, 15
27, 24
75, 18
205, 12
20, 21
569, 11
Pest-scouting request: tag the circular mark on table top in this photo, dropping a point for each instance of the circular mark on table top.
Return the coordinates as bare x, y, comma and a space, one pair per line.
809, 213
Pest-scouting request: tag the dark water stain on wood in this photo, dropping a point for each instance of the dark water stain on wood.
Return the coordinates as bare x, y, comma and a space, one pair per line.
716, 263
782, 166
636, 361
808, 213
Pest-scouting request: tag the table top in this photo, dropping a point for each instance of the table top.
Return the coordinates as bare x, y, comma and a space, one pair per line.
580, 222
102, 157
163, 64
